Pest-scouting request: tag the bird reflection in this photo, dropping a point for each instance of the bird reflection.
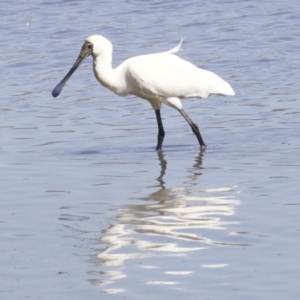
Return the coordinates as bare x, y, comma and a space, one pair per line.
169, 220
194, 172
163, 165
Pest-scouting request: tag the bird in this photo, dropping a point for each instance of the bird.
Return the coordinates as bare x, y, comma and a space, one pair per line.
159, 78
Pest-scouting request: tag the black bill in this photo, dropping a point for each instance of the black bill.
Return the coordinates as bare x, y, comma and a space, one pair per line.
84, 53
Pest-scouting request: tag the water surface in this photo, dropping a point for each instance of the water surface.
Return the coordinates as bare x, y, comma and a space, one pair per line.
89, 209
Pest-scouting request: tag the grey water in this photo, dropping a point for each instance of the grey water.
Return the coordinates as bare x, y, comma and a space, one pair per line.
89, 209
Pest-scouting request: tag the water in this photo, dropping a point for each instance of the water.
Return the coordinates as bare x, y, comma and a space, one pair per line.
90, 210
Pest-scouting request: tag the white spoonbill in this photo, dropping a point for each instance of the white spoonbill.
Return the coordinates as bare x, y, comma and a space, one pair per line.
159, 78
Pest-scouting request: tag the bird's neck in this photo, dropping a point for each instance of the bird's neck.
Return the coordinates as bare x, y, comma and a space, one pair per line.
104, 72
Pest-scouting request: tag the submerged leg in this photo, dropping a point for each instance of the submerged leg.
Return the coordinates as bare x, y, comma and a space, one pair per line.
194, 127
161, 132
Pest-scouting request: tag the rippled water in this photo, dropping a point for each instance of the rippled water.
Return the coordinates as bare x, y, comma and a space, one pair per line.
90, 210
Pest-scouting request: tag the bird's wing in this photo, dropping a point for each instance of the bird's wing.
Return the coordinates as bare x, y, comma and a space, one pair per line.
166, 75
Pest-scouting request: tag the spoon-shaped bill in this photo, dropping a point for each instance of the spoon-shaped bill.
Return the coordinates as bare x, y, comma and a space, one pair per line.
57, 90
86, 50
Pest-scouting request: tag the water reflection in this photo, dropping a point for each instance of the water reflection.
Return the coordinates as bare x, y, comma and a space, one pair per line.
173, 221
163, 165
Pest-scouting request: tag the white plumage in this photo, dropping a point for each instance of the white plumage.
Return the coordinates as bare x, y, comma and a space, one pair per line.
159, 78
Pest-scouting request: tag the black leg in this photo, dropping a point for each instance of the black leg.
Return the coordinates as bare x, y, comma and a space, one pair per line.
194, 127
161, 132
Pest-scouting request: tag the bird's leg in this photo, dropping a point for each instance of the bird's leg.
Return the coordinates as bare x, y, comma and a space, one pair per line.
194, 128
161, 132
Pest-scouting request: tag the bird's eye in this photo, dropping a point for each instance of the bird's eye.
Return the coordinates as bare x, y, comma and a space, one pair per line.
90, 46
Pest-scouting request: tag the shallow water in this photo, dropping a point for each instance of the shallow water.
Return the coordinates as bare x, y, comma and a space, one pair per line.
89, 209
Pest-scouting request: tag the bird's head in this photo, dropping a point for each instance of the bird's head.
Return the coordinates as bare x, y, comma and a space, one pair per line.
99, 45
94, 45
